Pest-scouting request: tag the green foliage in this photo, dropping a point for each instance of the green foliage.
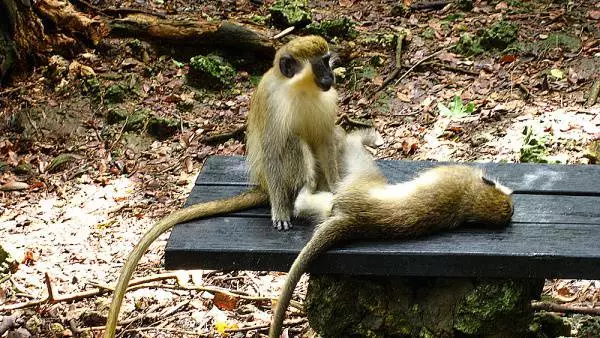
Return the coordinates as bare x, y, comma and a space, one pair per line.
259, 19
534, 147
91, 85
341, 27
115, 93
453, 17
286, 13
456, 108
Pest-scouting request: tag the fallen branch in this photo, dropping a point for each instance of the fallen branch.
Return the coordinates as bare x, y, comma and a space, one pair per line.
218, 138
353, 122
553, 307
593, 93
451, 68
425, 5
420, 62
261, 327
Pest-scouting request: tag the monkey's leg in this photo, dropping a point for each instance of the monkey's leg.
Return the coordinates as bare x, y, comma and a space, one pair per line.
286, 173
327, 165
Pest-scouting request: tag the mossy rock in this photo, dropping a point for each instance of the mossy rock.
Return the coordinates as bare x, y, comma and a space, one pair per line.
546, 324
115, 93
210, 72
341, 28
162, 127
553, 46
499, 36
588, 326
23, 169
352, 306
135, 121
286, 13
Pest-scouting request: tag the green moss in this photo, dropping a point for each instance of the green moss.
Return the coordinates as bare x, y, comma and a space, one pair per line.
428, 33
494, 307
342, 28
115, 93
5, 262
162, 127
468, 45
379, 39
91, 86
465, 5
547, 324
453, 17
210, 71
534, 148
259, 19
588, 327
286, 13
135, 121
499, 36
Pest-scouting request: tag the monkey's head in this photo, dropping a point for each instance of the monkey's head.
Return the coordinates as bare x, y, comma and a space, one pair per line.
306, 62
491, 204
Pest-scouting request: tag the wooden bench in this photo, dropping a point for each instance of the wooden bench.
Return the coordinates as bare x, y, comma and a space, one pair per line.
555, 231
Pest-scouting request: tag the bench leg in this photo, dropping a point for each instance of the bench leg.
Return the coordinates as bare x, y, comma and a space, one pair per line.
353, 306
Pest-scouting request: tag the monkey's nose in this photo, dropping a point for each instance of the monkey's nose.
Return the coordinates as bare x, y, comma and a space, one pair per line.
325, 83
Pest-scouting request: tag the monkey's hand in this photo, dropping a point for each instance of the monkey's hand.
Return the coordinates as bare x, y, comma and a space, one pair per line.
282, 225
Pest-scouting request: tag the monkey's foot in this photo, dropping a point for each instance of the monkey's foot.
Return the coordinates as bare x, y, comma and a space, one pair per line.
282, 225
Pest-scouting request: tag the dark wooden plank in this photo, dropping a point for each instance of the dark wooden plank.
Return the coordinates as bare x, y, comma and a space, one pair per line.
528, 208
556, 231
522, 177
522, 250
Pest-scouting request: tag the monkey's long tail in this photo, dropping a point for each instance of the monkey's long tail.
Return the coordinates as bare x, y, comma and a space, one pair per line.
326, 235
245, 200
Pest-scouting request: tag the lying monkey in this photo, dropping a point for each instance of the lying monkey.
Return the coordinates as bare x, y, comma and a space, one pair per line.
366, 206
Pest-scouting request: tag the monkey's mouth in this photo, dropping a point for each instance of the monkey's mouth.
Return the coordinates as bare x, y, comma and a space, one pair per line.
325, 83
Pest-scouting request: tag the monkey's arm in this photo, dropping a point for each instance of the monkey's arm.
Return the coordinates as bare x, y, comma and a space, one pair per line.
249, 199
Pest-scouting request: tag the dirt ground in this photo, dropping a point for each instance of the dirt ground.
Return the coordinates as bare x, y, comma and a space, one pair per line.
78, 187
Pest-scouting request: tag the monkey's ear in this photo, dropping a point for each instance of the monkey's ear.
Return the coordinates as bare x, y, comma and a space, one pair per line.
288, 66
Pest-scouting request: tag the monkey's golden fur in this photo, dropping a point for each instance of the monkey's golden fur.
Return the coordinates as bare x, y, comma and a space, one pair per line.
365, 206
290, 128
291, 139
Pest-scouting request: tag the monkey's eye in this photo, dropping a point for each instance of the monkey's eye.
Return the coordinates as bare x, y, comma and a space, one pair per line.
488, 181
288, 66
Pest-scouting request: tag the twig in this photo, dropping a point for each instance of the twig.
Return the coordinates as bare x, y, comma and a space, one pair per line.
553, 307
353, 122
290, 322
168, 329
8, 91
424, 5
593, 93
398, 66
452, 68
283, 33
224, 136
420, 62
526, 92
53, 298
5, 278
119, 136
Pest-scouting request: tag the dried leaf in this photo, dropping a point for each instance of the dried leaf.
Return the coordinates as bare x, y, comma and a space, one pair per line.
509, 58
225, 301
346, 3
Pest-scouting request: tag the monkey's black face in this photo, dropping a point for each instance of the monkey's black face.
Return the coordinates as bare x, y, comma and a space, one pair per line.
323, 75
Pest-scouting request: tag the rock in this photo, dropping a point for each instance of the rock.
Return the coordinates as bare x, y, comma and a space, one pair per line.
286, 13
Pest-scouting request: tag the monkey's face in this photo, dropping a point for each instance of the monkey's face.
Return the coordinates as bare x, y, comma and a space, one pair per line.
306, 61
493, 206
315, 70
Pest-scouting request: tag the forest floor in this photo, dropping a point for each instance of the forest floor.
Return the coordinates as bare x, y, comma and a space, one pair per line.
79, 186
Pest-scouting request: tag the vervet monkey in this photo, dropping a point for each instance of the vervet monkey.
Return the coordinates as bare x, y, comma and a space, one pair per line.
366, 206
290, 144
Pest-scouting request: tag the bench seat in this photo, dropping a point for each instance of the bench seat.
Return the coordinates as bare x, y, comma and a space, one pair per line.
555, 231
